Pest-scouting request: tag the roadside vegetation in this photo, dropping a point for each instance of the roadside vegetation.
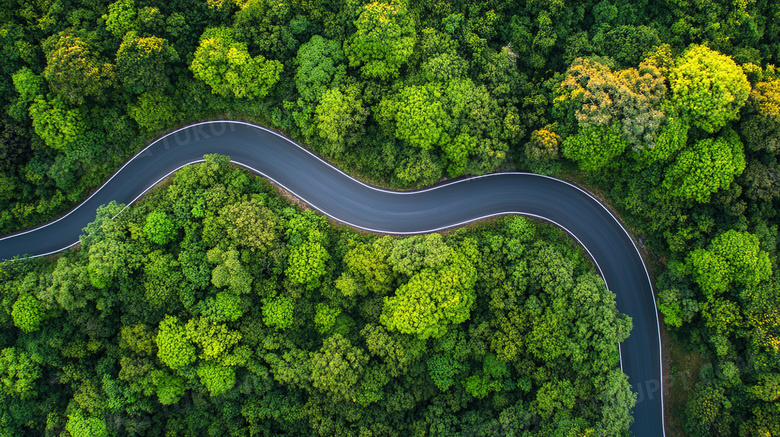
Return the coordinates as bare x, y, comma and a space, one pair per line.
214, 307
670, 108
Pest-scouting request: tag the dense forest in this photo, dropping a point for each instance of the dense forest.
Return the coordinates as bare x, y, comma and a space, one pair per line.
215, 307
671, 109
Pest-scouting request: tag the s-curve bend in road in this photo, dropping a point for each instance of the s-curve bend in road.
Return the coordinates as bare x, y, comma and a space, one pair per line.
352, 202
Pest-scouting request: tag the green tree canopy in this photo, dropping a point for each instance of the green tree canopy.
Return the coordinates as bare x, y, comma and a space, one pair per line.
73, 69
28, 313
708, 166
154, 111
384, 40
56, 123
337, 368
731, 257
595, 146
173, 346
143, 64
217, 379
81, 424
630, 97
418, 116
159, 228
340, 118
321, 66
433, 299
761, 126
225, 65
307, 263
278, 312
121, 17
18, 373
708, 87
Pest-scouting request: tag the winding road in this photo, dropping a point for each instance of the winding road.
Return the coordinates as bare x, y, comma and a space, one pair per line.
354, 203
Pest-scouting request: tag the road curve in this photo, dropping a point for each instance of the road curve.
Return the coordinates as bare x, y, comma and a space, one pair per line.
350, 201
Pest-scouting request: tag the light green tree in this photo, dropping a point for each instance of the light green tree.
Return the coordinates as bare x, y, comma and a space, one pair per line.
321, 66
216, 342
56, 123
340, 118
159, 228
27, 84
731, 257
174, 348
18, 373
137, 338
708, 166
432, 299
242, 224
368, 268
708, 87
384, 40
617, 402
229, 272
28, 313
554, 395
73, 69
307, 263
162, 279
81, 424
325, 317
217, 379
226, 66
278, 312
417, 116
154, 111
595, 146
671, 138
121, 17
224, 307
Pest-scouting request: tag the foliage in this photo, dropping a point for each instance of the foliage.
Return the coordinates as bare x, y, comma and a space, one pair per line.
28, 313
340, 118
225, 65
143, 63
73, 70
383, 41
710, 165
307, 263
732, 257
474, 88
18, 373
302, 328
761, 125
337, 367
432, 299
159, 228
543, 145
278, 312
709, 87
595, 146
630, 97
173, 347
57, 124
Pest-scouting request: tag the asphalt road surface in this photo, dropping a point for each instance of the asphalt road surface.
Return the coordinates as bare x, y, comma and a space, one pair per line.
347, 200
